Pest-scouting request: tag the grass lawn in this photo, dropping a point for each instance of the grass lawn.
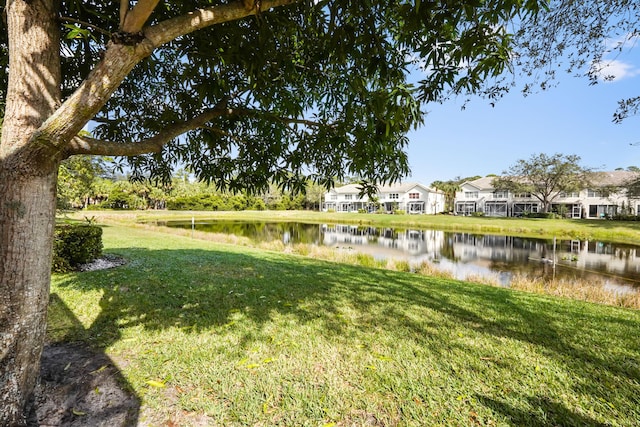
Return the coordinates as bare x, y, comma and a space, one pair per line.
214, 334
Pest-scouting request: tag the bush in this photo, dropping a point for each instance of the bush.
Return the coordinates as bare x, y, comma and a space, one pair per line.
544, 215
74, 245
627, 217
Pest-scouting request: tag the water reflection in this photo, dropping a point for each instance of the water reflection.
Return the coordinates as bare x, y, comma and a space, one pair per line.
462, 254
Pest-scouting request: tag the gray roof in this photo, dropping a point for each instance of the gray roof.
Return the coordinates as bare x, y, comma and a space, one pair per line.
614, 177
484, 183
401, 187
598, 178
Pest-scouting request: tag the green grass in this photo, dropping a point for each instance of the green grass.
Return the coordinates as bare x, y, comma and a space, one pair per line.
603, 230
240, 336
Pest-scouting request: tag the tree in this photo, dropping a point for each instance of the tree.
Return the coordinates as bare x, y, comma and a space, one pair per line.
545, 177
76, 179
241, 91
450, 188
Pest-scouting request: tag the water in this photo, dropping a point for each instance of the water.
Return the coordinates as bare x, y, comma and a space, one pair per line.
616, 266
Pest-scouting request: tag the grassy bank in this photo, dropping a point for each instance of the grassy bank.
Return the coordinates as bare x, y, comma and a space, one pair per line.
603, 230
213, 334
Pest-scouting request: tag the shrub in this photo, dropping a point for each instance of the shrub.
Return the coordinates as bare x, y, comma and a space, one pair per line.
477, 214
74, 245
399, 212
626, 217
546, 215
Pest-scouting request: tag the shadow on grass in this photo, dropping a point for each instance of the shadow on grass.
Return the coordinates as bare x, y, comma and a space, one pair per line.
545, 413
80, 386
197, 290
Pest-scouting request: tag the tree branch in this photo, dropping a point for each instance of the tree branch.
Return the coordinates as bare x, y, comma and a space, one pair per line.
84, 145
92, 146
291, 120
134, 19
118, 61
170, 29
124, 8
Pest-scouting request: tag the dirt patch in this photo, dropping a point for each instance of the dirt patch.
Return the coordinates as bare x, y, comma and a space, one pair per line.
79, 387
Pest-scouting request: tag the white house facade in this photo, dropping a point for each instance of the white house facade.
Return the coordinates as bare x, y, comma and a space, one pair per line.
413, 198
480, 196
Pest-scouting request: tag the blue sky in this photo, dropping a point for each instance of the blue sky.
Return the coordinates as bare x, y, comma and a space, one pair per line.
571, 118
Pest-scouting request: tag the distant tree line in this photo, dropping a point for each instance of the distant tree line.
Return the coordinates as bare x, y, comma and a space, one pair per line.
85, 182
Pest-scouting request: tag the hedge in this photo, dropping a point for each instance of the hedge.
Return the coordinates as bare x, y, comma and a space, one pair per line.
75, 244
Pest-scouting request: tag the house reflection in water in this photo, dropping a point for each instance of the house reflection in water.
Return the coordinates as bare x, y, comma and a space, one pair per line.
462, 254
493, 256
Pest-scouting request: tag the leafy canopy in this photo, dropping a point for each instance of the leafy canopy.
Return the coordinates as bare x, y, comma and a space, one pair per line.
315, 88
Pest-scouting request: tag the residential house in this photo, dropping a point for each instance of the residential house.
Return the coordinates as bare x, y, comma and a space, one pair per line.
598, 202
413, 198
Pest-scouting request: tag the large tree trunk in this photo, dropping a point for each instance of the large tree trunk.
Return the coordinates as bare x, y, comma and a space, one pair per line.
26, 229
28, 173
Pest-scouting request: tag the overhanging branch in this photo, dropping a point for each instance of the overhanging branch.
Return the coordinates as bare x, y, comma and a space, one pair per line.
83, 145
119, 59
132, 20
92, 146
290, 120
170, 29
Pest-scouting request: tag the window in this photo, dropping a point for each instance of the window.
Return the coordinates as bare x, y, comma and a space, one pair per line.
465, 208
470, 194
521, 209
414, 195
500, 194
564, 194
602, 211
522, 195
393, 196
348, 196
495, 209
334, 197
593, 193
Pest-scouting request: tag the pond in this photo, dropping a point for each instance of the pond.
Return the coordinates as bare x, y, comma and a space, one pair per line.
464, 255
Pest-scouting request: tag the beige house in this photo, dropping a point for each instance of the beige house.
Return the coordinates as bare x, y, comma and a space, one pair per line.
413, 198
597, 202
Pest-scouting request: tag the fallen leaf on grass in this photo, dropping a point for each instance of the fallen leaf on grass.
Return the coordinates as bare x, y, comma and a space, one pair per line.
383, 358
154, 383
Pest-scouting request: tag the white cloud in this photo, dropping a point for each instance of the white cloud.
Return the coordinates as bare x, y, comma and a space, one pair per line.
613, 70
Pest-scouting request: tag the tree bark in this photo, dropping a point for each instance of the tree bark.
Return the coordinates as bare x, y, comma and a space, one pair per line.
27, 213
28, 172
